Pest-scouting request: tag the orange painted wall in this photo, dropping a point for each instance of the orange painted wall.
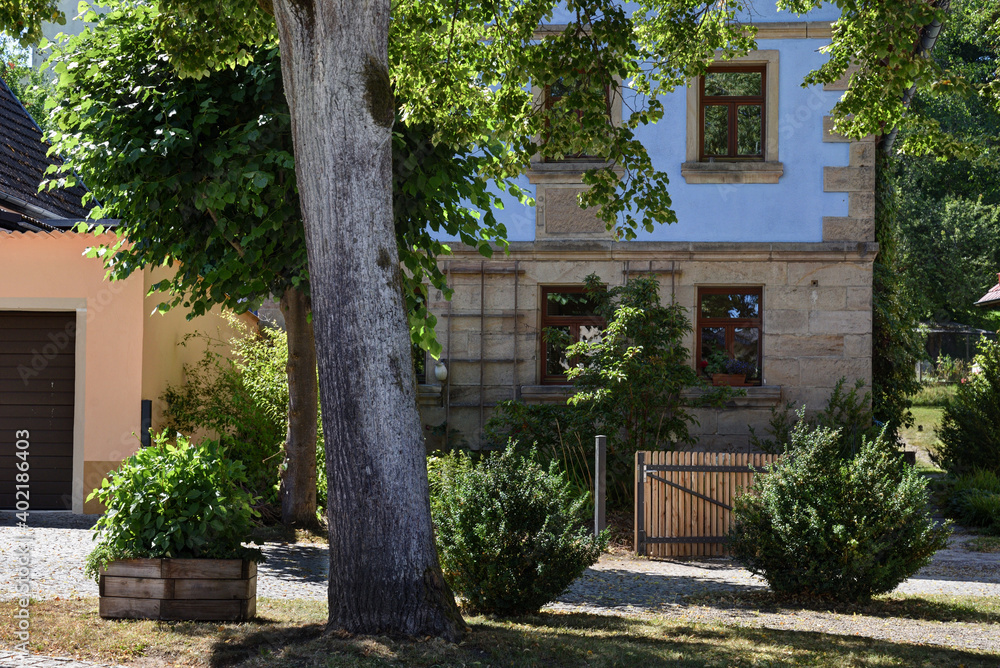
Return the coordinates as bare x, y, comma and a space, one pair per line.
167, 346
47, 271
131, 352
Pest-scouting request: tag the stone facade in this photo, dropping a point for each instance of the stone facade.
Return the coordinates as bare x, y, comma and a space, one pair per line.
816, 322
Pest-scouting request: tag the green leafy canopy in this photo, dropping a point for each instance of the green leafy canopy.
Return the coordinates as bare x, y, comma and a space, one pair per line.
198, 171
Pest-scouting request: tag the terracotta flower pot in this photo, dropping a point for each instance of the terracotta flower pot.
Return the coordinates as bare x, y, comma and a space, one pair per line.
731, 379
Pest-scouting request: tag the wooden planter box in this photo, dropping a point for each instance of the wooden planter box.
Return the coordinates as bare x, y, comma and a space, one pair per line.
731, 379
179, 589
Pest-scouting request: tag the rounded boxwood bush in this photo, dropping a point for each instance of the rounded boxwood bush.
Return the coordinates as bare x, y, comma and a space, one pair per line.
177, 501
509, 533
816, 524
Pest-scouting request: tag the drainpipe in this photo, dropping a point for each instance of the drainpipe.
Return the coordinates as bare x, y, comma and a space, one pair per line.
928, 38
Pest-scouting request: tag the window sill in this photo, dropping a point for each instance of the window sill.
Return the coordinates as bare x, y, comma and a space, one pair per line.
568, 171
428, 395
546, 394
732, 172
756, 396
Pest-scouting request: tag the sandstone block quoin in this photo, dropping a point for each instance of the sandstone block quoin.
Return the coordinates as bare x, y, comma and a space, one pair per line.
848, 229
848, 179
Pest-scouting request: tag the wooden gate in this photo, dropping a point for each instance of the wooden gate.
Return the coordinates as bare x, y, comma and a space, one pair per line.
683, 500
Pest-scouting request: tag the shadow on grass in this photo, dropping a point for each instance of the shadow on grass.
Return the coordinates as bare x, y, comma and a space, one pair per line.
983, 610
267, 641
303, 563
553, 639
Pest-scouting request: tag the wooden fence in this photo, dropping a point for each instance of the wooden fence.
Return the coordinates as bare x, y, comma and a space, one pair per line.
683, 500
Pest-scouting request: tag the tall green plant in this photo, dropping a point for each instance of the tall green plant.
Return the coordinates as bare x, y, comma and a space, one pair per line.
848, 413
970, 426
630, 381
896, 345
243, 400
547, 433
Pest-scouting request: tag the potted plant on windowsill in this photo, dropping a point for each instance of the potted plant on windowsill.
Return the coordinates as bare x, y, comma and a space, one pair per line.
170, 545
727, 371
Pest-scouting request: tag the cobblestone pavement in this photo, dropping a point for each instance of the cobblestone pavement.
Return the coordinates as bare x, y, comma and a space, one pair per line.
22, 660
61, 542
619, 585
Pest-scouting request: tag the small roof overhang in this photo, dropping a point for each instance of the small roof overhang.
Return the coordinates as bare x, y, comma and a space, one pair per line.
992, 298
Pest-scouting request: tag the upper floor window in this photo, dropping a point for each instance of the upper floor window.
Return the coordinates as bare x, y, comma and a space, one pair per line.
732, 122
568, 316
733, 112
729, 321
559, 95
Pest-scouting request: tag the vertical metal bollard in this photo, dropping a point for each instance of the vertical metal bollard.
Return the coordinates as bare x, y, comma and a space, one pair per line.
600, 483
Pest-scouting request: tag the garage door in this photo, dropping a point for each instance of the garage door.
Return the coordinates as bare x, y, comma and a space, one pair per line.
37, 368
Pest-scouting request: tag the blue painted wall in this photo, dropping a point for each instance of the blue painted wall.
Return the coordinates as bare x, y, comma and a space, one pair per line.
790, 210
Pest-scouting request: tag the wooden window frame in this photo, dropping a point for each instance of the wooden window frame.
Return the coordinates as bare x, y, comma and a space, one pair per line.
731, 324
572, 321
732, 103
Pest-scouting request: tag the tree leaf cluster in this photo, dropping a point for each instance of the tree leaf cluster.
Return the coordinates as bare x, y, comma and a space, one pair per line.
199, 172
29, 85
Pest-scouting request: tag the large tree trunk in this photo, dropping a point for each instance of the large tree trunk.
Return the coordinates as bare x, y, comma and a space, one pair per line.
384, 572
298, 480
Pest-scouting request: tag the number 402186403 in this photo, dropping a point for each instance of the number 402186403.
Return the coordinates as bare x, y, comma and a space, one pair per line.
22, 478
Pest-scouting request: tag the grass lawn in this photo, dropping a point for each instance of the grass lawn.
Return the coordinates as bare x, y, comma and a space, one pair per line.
983, 544
290, 633
921, 435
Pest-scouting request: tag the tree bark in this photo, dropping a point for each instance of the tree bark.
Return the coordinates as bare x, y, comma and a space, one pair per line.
298, 480
384, 572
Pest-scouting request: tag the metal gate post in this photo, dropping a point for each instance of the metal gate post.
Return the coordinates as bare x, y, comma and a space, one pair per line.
640, 510
600, 483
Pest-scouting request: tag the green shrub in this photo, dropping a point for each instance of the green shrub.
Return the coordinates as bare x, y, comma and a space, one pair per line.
970, 426
979, 508
818, 525
243, 402
547, 433
848, 413
510, 534
177, 501
973, 499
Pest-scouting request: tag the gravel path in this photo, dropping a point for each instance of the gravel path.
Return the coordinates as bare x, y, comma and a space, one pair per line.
616, 585
22, 660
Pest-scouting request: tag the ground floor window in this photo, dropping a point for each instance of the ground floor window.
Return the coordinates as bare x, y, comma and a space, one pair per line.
729, 323
568, 316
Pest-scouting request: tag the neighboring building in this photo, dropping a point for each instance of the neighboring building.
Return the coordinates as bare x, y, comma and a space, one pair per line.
991, 300
772, 255
78, 354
